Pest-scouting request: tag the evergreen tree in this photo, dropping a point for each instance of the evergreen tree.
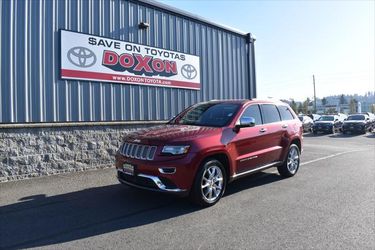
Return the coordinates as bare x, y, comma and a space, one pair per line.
324, 101
342, 99
353, 106
300, 108
293, 105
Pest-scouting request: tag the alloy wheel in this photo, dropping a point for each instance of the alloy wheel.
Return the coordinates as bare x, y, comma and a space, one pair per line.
212, 183
293, 160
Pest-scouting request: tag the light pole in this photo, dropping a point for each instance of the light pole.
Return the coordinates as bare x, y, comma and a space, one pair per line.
314, 94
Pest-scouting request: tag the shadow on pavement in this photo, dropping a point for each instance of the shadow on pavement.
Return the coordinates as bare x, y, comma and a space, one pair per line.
40, 220
312, 135
344, 135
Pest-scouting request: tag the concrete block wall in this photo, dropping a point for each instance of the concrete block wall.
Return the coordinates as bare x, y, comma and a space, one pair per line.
31, 152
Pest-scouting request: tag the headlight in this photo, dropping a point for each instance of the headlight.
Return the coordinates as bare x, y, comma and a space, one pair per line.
175, 150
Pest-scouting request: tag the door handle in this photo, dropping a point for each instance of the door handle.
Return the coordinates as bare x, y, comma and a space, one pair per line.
262, 130
284, 126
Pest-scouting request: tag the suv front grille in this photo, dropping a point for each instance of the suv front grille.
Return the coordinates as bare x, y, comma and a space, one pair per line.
138, 151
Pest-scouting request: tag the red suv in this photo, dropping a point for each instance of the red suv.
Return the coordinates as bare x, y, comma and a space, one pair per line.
210, 144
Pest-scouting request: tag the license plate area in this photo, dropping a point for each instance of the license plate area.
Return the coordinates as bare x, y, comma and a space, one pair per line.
128, 168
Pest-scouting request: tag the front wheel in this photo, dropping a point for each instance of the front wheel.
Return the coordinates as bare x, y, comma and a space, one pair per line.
209, 184
291, 165
333, 130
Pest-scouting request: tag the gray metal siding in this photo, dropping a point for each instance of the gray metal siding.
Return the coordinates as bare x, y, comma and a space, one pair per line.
31, 90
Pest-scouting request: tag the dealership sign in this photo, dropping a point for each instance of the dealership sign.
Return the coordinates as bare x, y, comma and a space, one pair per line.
93, 58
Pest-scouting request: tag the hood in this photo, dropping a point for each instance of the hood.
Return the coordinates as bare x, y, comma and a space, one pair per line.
170, 133
324, 122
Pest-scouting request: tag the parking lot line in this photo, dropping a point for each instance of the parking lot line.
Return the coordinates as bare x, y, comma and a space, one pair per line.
324, 158
329, 156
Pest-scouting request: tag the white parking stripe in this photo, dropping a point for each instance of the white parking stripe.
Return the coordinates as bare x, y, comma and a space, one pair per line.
328, 156
324, 158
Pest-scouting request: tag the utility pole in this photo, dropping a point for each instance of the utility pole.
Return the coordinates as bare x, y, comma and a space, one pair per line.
314, 94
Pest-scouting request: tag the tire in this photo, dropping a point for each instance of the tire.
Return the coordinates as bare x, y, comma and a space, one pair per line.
199, 194
291, 164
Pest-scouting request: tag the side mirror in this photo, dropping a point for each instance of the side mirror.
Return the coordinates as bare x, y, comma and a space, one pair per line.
245, 122
367, 119
336, 120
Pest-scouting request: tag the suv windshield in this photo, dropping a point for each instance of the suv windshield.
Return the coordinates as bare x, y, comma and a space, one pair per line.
326, 118
356, 117
208, 114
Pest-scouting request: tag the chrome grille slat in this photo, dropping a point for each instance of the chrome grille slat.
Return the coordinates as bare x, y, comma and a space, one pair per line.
134, 149
129, 149
138, 151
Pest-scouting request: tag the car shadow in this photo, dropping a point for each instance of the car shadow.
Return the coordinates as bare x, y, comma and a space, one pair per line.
254, 180
312, 135
40, 220
371, 135
344, 135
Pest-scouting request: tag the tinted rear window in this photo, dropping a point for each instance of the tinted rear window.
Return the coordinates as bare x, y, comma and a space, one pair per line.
270, 113
286, 114
253, 111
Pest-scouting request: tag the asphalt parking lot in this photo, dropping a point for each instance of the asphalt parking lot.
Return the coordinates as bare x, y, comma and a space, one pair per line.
329, 204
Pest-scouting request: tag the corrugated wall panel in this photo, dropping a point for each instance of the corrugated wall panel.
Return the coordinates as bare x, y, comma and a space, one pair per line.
31, 90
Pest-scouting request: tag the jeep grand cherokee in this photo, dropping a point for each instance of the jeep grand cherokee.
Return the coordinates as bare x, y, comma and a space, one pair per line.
210, 144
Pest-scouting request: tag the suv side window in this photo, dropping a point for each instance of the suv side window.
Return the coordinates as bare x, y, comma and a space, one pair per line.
286, 114
253, 111
270, 113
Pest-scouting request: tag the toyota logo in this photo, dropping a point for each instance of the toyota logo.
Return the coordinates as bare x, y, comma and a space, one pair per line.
81, 57
188, 71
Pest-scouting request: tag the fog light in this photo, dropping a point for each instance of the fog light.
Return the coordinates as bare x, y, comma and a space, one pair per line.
167, 170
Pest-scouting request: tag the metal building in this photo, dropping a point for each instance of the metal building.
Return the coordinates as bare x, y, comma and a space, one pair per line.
32, 89
76, 75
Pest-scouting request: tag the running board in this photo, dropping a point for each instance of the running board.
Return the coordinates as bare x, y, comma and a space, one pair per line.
251, 171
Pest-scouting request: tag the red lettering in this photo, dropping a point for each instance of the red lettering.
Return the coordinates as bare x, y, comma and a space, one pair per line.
158, 65
143, 63
170, 66
126, 60
110, 58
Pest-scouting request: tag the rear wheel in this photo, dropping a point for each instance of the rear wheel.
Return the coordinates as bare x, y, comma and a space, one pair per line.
209, 184
292, 162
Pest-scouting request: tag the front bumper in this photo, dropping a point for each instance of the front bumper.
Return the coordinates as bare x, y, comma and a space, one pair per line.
354, 128
322, 128
149, 174
147, 182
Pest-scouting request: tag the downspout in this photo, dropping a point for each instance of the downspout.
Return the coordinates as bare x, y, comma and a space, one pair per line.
250, 40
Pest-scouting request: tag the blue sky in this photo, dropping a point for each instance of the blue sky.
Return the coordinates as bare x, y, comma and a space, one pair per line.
295, 39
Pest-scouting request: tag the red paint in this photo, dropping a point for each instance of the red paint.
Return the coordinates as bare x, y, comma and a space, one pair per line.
245, 148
